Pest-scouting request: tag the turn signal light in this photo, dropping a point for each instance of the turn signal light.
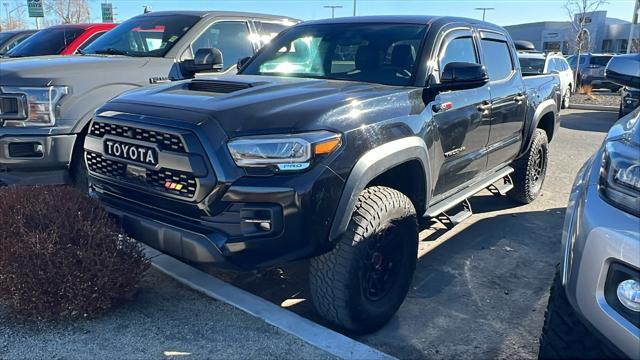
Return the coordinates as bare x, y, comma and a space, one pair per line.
327, 146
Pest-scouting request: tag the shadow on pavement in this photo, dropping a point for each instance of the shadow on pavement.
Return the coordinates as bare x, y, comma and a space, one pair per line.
596, 121
471, 295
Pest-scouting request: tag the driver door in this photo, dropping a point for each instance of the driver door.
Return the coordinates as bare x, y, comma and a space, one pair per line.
462, 118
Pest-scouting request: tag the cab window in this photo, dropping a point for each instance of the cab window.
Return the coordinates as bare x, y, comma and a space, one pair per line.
498, 59
460, 49
232, 38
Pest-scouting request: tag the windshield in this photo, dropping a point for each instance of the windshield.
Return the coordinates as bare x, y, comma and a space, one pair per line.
376, 53
532, 66
145, 36
50, 41
4, 37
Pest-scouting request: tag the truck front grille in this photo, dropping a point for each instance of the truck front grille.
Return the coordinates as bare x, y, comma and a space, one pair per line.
166, 141
164, 180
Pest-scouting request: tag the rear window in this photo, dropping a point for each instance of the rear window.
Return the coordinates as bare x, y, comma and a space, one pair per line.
50, 41
532, 66
600, 60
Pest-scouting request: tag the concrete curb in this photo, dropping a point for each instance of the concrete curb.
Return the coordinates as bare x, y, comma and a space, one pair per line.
304, 329
593, 107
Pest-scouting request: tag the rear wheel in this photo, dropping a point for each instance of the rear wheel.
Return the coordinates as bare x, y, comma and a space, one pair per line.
531, 169
362, 282
566, 99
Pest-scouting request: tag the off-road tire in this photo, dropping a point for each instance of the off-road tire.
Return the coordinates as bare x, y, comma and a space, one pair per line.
564, 335
528, 178
338, 279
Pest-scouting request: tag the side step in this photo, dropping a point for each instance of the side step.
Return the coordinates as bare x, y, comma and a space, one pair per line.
441, 207
462, 213
501, 188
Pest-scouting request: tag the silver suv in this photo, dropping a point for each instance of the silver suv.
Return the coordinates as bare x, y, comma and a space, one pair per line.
594, 306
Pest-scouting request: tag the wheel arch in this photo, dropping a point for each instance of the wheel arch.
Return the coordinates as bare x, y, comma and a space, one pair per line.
545, 118
382, 166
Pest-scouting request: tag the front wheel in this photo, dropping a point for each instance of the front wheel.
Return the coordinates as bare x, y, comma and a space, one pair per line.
564, 335
531, 169
362, 282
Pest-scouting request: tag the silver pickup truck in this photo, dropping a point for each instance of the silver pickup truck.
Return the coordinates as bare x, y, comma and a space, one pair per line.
46, 103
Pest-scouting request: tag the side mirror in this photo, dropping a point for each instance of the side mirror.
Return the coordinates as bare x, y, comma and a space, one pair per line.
462, 76
242, 62
205, 60
624, 70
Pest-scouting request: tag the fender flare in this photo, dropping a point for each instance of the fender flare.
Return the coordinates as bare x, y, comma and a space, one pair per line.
369, 166
545, 107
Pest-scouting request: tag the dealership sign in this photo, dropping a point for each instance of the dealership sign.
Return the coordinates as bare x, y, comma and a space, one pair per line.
35, 8
107, 12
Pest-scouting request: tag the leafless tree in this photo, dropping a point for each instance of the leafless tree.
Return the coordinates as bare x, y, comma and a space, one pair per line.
68, 11
14, 15
577, 11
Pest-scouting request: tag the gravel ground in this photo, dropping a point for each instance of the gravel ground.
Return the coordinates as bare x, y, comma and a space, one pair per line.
166, 320
603, 99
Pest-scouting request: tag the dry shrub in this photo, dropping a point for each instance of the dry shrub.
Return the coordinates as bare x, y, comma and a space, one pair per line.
61, 256
586, 90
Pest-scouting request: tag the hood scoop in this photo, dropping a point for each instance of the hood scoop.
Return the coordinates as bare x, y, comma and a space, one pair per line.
217, 86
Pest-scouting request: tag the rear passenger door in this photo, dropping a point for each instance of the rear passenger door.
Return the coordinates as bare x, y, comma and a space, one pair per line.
461, 116
508, 100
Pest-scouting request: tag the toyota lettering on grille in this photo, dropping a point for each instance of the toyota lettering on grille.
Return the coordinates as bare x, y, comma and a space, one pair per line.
140, 154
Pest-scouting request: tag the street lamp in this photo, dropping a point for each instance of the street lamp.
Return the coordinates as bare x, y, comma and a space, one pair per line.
333, 9
484, 10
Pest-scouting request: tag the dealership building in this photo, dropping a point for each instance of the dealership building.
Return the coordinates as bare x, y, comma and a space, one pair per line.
605, 34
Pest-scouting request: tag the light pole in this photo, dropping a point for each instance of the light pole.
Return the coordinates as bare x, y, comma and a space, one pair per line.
634, 25
354, 7
333, 9
484, 11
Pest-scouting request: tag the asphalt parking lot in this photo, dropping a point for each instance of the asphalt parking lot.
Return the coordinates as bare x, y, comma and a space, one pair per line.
480, 290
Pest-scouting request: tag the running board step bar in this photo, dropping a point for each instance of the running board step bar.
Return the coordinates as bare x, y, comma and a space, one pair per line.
501, 188
462, 214
440, 208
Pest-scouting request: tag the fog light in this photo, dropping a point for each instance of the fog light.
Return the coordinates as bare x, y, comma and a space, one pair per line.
629, 294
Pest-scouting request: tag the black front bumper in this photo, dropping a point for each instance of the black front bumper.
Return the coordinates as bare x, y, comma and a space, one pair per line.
227, 217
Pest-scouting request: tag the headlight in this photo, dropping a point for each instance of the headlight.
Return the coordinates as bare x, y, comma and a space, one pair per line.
41, 105
284, 152
620, 176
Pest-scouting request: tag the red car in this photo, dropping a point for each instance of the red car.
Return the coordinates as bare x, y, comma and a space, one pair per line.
60, 40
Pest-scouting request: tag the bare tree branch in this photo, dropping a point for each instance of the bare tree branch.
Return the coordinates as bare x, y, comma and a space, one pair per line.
68, 11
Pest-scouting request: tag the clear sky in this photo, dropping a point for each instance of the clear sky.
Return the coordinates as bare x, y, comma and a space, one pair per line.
507, 12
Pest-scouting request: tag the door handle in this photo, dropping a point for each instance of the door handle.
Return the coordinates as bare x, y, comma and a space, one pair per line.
519, 98
484, 107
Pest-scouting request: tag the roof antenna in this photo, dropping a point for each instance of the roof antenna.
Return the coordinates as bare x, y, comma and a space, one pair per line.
147, 9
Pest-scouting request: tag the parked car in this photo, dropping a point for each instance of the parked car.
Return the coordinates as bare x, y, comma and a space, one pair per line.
60, 40
619, 70
591, 70
594, 306
11, 39
44, 145
535, 63
314, 153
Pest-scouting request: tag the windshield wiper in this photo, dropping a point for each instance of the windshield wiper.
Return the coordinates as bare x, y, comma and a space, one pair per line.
113, 51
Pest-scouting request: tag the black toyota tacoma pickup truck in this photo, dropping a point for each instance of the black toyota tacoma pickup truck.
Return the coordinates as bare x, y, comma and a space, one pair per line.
330, 144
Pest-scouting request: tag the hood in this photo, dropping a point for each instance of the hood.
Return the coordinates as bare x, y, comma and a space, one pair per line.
244, 104
67, 70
